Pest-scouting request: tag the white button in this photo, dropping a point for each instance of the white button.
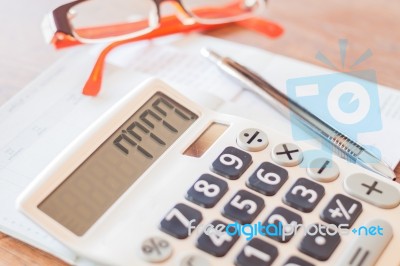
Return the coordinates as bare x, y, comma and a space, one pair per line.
323, 170
287, 154
366, 249
252, 139
155, 249
372, 190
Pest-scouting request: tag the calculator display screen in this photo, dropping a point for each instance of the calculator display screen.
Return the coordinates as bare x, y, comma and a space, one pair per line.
108, 172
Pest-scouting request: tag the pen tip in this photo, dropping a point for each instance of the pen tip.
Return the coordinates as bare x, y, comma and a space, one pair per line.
384, 169
210, 54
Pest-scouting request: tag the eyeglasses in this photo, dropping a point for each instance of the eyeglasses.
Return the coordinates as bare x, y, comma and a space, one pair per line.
94, 21
125, 21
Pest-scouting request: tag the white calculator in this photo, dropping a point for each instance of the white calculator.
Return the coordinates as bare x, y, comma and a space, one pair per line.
160, 180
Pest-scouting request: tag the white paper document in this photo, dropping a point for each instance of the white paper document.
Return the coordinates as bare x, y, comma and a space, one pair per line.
44, 118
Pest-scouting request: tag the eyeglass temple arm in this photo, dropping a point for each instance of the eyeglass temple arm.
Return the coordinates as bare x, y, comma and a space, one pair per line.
171, 26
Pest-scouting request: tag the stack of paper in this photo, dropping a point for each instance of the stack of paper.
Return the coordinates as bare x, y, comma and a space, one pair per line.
38, 123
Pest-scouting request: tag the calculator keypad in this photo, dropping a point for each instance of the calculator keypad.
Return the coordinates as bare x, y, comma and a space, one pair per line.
319, 243
257, 253
304, 195
232, 163
267, 179
217, 241
179, 220
243, 207
207, 191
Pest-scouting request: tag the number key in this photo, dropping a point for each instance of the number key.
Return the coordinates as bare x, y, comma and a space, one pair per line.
180, 220
216, 241
207, 191
232, 163
257, 253
267, 179
281, 217
304, 195
243, 207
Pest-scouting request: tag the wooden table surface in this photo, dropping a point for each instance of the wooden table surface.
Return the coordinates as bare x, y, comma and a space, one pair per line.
310, 26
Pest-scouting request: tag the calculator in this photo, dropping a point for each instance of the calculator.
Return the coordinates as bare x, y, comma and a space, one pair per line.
160, 180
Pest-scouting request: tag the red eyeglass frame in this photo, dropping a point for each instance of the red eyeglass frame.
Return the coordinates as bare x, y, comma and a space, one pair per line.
168, 25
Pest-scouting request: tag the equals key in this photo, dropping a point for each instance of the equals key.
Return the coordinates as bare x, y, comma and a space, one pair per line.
366, 249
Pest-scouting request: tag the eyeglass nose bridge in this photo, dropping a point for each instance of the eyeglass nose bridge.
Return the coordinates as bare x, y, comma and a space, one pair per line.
182, 13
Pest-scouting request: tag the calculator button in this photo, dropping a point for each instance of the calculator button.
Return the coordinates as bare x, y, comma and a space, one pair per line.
341, 210
179, 220
285, 218
257, 253
155, 249
232, 163
207, 191
252, 139
243, 207
296, 261
267, 179
216, 242
323, 170
372, 190
320, 245
194, 260
287, 154
304, 195
365, 250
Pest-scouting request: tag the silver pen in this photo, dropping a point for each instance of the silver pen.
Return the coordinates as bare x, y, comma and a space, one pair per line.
343, 145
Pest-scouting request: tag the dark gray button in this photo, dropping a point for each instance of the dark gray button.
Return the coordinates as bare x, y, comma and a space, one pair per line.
243, 207
341, 210
217, 241
267, 179
232, 163
180, 220
372, 190
287, 154
296, 261
323, 170
257, 253
155, 249
365, 249
207, 191
321, 244
304, 195
252, 139
285, 221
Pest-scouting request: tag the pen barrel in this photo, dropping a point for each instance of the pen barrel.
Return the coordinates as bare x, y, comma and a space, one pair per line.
342, 145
